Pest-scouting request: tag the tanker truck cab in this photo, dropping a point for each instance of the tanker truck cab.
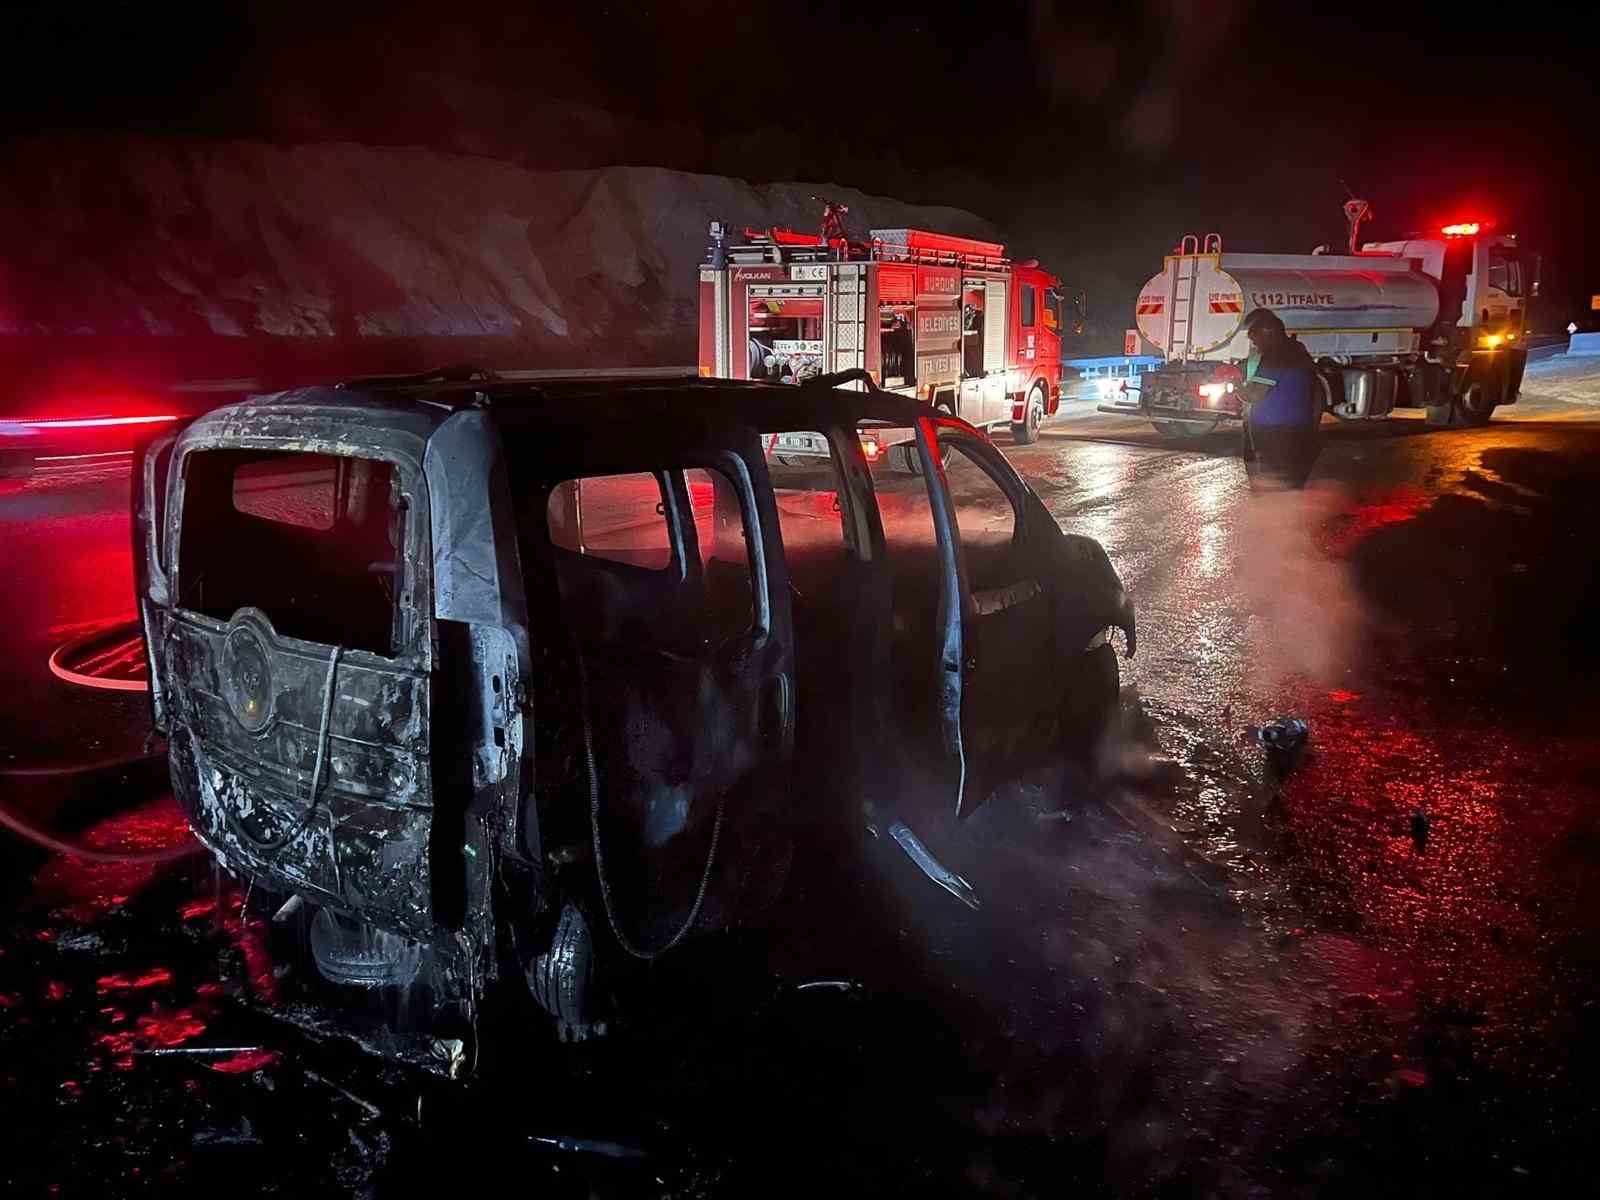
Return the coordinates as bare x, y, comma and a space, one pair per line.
1485, 281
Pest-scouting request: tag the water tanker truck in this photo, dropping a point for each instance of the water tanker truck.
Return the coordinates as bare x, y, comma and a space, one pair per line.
1432, 321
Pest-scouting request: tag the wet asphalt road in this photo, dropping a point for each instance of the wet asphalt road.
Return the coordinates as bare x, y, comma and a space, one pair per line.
1377, 972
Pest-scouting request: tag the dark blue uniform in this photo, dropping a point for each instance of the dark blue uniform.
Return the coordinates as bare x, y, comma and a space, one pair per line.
1281, 428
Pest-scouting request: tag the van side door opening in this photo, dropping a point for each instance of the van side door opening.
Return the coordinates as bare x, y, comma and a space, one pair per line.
684, 693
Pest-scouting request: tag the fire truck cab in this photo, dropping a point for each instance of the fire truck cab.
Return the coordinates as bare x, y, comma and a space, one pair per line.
948, 320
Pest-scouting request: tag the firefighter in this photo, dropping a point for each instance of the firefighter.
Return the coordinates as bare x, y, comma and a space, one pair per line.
1283, 408
899, 351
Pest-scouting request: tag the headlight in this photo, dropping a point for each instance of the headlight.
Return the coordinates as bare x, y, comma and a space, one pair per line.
1108, 386
1215, 391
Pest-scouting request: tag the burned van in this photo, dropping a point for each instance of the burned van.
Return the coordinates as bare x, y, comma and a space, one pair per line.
490, 684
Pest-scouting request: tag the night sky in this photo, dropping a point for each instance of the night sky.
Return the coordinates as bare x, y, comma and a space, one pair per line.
1096, 134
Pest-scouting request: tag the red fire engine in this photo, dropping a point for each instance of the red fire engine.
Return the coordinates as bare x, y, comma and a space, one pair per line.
947, 319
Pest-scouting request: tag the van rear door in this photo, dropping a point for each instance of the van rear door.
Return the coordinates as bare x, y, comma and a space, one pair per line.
297, 667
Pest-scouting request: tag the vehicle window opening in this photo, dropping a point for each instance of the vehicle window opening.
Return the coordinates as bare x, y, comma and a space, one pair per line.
985, 519
655, 560
620, 518
785, 342
1027, 302
1052, 309
312, 540
1505, 270
808, 487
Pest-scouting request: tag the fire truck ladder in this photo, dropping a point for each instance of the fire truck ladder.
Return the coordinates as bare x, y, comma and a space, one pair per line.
847, 306
1181, 286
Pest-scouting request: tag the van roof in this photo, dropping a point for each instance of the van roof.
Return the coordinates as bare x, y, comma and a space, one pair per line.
606, 403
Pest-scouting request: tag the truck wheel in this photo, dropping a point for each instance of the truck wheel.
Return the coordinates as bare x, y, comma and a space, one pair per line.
1475, 405
1183, 431
1026, 431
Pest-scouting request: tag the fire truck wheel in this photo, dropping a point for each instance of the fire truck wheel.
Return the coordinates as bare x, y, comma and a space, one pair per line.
1475, 405
1183, 431
1026, 431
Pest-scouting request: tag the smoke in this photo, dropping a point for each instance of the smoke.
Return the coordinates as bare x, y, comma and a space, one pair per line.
1296, 588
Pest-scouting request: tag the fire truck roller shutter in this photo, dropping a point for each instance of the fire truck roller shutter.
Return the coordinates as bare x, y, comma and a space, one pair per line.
995, 320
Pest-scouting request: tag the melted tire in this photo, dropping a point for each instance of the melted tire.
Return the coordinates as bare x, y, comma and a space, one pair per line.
359, 955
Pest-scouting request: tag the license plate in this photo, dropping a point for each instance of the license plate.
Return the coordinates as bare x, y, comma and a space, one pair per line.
801, 443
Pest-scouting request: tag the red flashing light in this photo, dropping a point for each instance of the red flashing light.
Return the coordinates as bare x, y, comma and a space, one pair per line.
88, 422
1463, 229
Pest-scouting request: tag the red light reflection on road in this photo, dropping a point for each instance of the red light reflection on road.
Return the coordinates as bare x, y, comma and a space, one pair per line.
245, 1062
1463, 896
82, 890
1344, 531
128, 982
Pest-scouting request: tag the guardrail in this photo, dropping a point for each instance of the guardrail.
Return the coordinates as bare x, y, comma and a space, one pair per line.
1101, 378
1120, 365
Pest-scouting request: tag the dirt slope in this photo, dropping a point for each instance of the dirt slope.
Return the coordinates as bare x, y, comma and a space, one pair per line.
194, 259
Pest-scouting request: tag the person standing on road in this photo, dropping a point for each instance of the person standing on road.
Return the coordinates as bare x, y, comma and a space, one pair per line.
1281, 403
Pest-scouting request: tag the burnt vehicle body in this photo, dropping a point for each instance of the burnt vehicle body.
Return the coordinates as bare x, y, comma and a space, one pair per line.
490, 694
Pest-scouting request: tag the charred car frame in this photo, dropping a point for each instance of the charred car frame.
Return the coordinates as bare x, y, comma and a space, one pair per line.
491, 695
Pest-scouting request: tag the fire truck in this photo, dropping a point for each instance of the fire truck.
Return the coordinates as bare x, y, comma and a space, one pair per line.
1432, 321
949, 320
